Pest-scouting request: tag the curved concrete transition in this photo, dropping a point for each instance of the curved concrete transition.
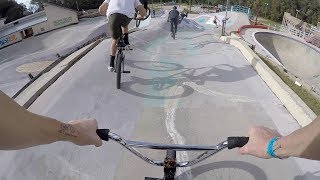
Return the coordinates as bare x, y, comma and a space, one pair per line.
296, 56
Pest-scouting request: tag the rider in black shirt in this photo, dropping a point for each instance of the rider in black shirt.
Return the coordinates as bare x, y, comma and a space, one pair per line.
174, 18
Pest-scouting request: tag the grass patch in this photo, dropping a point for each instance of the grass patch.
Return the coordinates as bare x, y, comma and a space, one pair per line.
268, 22
311, 101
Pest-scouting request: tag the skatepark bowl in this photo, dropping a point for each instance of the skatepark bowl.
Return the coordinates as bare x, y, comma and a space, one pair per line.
296, 56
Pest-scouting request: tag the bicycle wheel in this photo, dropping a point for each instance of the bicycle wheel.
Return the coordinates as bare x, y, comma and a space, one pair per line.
226, 170
170, 165
118, 69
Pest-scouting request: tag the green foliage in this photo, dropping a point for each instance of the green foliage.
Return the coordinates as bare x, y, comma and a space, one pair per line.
12, 10
274, 9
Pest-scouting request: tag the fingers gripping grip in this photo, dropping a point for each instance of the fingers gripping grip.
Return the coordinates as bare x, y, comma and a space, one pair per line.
234, 142
103, 134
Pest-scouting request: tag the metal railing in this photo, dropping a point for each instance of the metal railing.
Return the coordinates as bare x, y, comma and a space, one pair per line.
311, 36
243, 9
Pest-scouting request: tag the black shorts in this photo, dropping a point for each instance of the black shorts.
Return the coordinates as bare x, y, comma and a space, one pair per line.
116, 21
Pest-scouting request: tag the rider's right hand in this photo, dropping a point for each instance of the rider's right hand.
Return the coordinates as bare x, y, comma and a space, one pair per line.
259, 138
85, 132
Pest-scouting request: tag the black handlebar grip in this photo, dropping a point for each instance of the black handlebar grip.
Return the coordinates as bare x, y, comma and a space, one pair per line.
103, 134
234, 142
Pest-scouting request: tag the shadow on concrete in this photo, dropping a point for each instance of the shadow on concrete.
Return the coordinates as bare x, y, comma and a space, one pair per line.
202, 44
156, 66
160, 87
254, 170
186, 25
194, 37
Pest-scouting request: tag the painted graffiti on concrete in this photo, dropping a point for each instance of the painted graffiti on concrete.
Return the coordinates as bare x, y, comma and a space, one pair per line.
7, 40
62, 22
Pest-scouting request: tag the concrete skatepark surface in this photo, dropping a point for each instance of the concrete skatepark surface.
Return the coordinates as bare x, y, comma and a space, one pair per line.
234, 22
44, 47
193, 90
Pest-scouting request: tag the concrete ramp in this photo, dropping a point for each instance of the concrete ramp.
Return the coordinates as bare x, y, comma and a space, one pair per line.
298, 57
234, 22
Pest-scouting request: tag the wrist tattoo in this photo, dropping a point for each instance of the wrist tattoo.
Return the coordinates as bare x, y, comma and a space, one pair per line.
68, 130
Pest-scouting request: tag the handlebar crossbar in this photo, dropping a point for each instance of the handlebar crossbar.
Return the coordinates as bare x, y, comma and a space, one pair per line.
230, 143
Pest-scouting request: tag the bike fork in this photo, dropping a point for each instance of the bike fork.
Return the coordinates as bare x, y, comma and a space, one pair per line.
123, 71
170, 166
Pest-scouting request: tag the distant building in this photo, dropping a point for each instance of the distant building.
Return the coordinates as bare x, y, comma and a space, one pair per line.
293, 22
52, 17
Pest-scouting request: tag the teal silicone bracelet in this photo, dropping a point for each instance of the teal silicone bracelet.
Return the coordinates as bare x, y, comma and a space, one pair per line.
270, 149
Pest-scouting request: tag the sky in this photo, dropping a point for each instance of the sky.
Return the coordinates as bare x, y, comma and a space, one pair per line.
26, 2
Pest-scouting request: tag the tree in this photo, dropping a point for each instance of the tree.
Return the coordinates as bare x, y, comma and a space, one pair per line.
275, 9
12, 10
256, 9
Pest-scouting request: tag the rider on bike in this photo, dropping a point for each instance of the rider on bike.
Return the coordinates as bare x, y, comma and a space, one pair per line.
120, 13
174, 18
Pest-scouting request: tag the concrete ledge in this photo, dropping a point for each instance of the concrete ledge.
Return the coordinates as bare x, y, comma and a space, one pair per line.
34, 90
299, 110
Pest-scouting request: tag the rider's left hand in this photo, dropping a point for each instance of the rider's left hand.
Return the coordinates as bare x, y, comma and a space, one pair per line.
139, 17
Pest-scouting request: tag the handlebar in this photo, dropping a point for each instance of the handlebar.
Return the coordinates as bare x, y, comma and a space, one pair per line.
230, 143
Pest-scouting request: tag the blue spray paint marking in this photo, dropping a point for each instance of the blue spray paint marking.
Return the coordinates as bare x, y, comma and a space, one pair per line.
159, 97
202, 20
229, 22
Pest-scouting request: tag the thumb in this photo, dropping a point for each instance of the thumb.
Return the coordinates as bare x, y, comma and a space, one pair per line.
243, 150
98, 143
